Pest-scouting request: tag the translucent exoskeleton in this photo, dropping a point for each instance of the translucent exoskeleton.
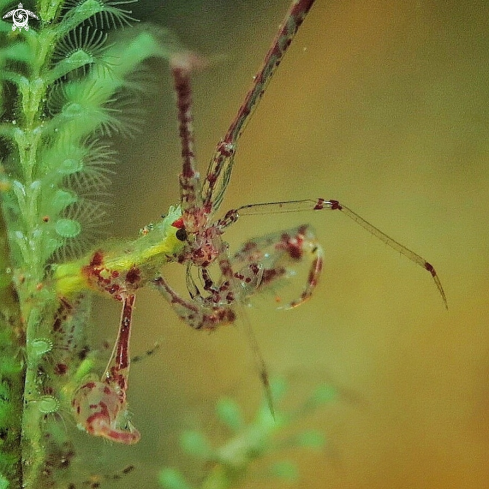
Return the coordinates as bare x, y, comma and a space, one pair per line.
218, 283
100, 406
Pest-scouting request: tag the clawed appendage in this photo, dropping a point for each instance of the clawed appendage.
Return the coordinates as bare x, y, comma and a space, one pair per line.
218, 284
279, 256
323, 204
266, 262
100, 406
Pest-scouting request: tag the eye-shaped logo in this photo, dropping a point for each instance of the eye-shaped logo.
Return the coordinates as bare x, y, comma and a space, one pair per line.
20, 17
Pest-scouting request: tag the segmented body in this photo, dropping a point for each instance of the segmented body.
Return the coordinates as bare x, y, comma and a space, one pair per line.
218, 284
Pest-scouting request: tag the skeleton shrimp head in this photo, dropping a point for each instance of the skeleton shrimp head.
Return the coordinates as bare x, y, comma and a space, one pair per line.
202, 247
100, 407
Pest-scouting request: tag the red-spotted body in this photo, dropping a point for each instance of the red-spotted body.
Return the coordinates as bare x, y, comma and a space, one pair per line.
218, 282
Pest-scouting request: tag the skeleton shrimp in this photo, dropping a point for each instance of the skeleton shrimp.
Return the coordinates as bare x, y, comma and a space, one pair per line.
191, 236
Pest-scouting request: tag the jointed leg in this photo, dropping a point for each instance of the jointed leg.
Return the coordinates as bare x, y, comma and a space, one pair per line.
100, 407
201, 313
181, 66
221, 164
323, 204
117, 370
218, 307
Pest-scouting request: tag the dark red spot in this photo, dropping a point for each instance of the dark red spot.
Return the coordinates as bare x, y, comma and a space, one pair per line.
133, 276
295, 251
60, 369
225, 148
293, 246
271, 274
207, 209
430, 269
113, 289
250, 245
312, 275
335, 205
229, 214
319, 205
97, 259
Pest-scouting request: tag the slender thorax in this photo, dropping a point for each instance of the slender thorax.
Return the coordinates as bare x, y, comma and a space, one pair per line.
219, 283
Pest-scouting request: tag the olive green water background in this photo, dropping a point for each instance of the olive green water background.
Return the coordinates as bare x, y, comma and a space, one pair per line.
383, 105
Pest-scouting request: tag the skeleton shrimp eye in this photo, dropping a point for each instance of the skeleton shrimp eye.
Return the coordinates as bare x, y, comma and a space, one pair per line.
181, 234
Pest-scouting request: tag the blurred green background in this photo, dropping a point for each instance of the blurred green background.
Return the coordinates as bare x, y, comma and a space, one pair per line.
382, 105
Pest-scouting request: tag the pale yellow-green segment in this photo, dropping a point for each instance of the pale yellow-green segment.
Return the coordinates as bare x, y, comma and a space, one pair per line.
156, 246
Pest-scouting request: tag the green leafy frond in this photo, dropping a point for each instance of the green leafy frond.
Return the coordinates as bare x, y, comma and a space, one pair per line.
260, 438
66, 84
101, 14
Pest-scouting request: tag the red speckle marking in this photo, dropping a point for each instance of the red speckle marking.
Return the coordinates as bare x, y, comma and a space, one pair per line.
178, 223
430, 269
133, 276
97, 259
60, 369
335, 205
